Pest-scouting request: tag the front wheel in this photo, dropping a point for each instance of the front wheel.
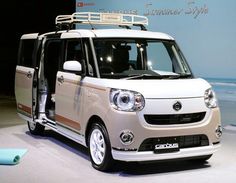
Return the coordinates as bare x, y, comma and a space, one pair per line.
35, 128
100, 148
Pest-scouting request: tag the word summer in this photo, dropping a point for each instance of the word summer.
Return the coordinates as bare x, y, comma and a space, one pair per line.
194, 11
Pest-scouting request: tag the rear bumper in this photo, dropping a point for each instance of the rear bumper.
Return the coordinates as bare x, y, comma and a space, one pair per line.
150, 156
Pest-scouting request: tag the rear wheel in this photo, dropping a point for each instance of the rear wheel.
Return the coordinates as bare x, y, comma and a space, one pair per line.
35, 128
100, 148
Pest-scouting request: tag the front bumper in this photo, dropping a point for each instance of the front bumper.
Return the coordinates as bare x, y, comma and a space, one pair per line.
151, 156
118, 121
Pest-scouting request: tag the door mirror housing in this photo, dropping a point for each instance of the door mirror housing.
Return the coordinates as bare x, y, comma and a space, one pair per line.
72, 65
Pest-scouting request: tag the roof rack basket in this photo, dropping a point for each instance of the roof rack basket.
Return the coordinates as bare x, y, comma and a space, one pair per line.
94, 18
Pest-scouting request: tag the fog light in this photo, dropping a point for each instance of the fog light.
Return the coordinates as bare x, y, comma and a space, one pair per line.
126, 137
218, 131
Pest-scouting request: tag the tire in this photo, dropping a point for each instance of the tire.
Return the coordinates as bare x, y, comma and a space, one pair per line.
100, 148
35, 128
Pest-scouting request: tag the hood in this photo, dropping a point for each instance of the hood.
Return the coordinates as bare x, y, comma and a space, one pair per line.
175, 88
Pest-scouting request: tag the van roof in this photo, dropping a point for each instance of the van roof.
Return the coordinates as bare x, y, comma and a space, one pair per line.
122, 33
113, 33
104, 33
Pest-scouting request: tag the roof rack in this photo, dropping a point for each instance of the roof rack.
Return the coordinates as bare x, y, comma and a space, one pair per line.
122, 20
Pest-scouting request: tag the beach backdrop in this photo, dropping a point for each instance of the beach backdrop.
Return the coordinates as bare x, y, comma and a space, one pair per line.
205, 31
225, 90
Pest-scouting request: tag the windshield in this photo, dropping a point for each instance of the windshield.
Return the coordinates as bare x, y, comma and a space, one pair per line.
140, 58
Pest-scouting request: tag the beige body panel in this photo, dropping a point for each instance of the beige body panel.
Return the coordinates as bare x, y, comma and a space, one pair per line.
96, 102
77, 102
119, 121
68, 101
24, 90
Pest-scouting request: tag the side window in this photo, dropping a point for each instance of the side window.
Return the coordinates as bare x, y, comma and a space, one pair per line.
26, 52
74, 50
81, 51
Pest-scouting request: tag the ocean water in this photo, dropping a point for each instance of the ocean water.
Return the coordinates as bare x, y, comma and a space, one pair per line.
225, 90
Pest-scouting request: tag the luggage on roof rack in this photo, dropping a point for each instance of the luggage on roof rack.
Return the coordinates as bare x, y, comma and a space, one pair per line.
94, 18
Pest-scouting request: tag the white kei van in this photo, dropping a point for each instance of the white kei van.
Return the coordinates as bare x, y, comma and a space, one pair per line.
126, 94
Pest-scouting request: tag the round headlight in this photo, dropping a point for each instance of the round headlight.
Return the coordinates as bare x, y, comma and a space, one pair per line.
210, 98
125, 100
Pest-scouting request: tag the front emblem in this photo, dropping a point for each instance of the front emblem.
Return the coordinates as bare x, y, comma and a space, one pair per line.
177, 106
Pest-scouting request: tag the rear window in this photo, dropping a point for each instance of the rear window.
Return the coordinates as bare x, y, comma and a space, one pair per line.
26, 52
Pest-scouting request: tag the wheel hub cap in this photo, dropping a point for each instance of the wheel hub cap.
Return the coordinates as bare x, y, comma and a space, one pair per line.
97, 146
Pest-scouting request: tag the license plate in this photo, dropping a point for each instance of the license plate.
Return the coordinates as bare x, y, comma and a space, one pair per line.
166, 148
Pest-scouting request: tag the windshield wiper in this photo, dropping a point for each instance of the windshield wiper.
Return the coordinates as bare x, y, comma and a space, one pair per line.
137, 76
177, 76
185, 75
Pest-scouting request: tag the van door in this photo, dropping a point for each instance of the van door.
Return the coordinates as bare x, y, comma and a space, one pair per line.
25, 75
68, 93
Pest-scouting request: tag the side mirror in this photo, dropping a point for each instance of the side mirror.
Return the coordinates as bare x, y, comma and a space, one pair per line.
72, 65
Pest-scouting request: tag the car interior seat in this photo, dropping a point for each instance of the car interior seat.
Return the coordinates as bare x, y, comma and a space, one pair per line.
121, 58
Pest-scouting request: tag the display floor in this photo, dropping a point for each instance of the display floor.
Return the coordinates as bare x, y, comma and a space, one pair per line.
53, 158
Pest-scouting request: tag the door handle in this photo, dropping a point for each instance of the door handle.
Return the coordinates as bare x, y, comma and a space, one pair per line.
29, 75
60, 79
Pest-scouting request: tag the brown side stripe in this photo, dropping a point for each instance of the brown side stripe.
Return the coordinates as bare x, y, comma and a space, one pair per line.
72, 81
21, 72
68, 122
24, 108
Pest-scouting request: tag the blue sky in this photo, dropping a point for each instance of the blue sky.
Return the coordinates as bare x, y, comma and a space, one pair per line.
204, 29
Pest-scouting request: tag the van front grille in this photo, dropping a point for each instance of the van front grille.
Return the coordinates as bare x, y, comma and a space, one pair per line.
183, 142
172, 119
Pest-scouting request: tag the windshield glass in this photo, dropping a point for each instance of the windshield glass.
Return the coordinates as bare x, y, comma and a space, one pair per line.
140, 58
